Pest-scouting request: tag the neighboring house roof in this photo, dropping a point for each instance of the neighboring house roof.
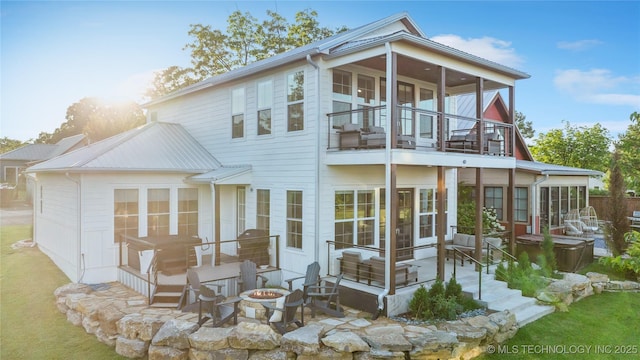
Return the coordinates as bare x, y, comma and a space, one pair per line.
357, 39
551, 169
156, 146
39, 152
466, 103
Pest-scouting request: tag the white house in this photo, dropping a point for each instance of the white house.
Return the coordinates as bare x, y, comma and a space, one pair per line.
343, 143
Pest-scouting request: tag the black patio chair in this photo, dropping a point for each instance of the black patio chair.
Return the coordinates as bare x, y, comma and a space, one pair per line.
213, 308
282, 317
326, 299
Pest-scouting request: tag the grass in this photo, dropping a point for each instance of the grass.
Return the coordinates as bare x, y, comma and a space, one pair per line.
603, 269
31, 327
607, 319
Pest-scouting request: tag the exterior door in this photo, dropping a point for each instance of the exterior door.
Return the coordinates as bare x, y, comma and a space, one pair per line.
404, 231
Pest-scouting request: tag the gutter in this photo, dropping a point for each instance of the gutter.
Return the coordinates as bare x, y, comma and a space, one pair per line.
81, 265
316, 229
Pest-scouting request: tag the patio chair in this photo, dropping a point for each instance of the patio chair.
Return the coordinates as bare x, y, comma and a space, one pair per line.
249, 276
350, 264
326, 299
312, 277
213, 307
192, 290
284, 312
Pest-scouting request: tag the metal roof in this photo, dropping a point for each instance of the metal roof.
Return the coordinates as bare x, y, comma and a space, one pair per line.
156, 146
552, 169
332, 46
239, 174
39, 152
466, 103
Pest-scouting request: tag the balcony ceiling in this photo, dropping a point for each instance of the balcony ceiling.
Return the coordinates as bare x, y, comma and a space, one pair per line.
428, 72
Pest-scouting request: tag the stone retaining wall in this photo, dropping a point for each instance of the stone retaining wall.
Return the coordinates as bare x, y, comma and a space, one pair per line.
137, 331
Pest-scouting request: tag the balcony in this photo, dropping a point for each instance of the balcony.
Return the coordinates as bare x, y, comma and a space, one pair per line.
418, 130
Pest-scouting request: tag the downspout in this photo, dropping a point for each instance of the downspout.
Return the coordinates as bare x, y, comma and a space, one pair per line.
81, 267
213, 222
316, 226
534, 202
387, 184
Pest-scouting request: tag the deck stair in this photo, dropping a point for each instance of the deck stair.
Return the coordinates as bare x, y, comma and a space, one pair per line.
167, 296
498, 297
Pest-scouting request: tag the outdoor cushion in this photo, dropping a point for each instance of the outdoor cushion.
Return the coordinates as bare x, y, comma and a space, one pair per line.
350, 127
277, 314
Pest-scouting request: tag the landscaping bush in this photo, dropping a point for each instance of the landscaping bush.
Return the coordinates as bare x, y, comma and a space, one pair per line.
522, 275
629, 262
440, 302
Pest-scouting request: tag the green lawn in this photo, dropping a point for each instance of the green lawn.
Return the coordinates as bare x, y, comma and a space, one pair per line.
594, 328
31, 327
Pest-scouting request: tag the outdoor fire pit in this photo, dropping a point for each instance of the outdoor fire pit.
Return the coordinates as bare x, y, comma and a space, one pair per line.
252, 300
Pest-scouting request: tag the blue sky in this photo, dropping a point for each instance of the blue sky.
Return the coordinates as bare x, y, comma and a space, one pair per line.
583, 56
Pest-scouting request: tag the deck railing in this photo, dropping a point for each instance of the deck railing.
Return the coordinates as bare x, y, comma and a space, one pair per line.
418, 129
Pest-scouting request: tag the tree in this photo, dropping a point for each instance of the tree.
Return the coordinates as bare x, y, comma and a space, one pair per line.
96, 119
245, 41
7, 144
582, 147
617, 209
628, 145
525, 127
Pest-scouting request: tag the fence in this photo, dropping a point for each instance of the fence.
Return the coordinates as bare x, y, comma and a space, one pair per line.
601, 205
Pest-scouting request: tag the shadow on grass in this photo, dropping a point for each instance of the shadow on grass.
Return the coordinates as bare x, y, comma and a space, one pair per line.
31, 325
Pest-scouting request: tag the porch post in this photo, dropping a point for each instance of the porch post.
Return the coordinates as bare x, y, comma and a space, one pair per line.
393, 211
479, 205
511, 150
440, 107
511, 228
441, 219
216, 211
480, 113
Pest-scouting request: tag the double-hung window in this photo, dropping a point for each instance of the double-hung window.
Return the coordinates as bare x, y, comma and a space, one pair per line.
366, 97
263, 209
295, 101
158, 212
188, 211
265, 102
493, 199
521, 206
425, 118
125, 213
341, 97
237, 113
294, 219
427, 213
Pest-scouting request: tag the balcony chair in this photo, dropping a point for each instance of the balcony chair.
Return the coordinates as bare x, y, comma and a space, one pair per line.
350, 136
284, 312
350, 264
375, 269
326, 299
312, 277
192, 290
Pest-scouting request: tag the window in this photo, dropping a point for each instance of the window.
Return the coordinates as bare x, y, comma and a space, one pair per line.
493, 199
295, 101
354, 218
521, 206
367, 97
158, 212
188, 212
241, 206
557, 201
265, 101
426, 120
263, 212
427, 212
294, 219
125, 213
237, 113
341, 97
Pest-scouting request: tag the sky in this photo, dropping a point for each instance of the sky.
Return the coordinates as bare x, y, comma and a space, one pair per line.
583, 56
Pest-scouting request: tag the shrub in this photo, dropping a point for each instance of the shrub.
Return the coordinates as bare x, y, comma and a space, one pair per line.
630, 261
419, 302
440, 301
549, 255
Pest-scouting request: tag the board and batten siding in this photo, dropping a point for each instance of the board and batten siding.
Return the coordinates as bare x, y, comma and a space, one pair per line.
57, 227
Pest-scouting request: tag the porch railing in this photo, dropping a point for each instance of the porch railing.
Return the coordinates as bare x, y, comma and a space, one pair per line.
418, 129
479, 266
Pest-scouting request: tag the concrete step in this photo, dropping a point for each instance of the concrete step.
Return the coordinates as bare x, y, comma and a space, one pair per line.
532, 313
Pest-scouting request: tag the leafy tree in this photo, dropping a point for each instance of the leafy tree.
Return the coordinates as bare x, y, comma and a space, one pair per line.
7, 144
244, 41
628, 145
582, 147
525, 127
619, 224
96, 119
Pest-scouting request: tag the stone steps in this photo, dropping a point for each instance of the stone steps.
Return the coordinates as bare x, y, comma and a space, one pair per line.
497, 296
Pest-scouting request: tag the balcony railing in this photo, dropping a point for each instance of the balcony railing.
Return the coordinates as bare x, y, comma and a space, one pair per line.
418, 129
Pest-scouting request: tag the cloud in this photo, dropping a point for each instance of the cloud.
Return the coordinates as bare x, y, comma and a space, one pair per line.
579, 45
489, 48
598, 86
